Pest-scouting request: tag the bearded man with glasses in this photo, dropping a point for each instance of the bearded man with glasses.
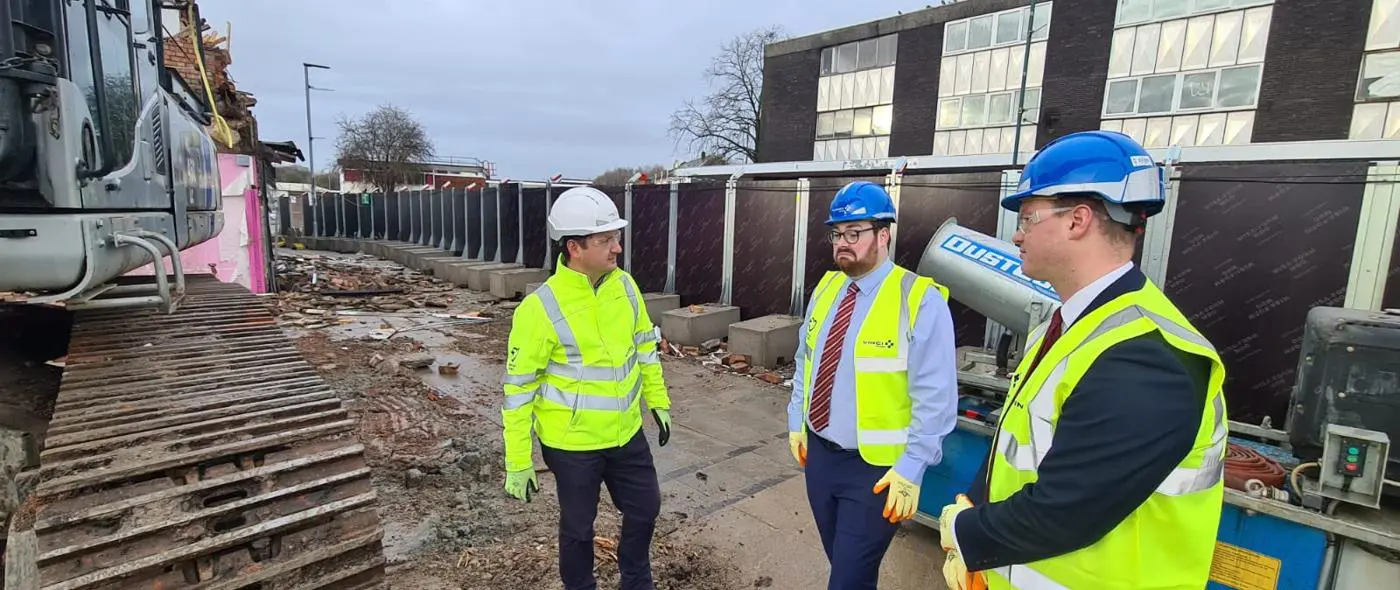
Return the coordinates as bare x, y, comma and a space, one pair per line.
875, 390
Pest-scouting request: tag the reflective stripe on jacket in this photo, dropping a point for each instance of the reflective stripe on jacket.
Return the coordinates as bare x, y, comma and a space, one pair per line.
578, 361
881, 357
1168, 541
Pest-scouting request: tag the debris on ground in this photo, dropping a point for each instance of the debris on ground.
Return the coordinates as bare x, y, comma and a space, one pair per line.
432, 437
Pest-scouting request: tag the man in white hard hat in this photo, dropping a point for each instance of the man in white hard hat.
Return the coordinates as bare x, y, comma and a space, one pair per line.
582, 356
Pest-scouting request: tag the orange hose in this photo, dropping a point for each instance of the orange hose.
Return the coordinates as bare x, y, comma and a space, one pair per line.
1243, 464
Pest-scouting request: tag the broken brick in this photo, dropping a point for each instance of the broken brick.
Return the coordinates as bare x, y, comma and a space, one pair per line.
771, 378
735, 358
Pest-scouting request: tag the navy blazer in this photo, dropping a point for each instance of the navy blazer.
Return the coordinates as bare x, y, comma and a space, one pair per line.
1129, 422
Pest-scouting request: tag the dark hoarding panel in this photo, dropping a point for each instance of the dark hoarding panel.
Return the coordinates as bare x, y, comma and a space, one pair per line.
651, 211
325, 215
413, 224
434, 218
510, 221
474, 219
284, 216
618, 195
490, 210
763, 235
1250, 255
425, 218
819, 258
925, 202
366, 216
392, 216
536, 227
459, 220
700, 242
308, 216
381, 215
350, 215
1391, 298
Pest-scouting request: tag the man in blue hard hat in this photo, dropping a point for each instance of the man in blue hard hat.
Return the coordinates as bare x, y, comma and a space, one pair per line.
1106, 470
875, 390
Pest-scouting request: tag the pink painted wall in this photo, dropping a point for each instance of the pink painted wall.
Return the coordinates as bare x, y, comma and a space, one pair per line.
235, 255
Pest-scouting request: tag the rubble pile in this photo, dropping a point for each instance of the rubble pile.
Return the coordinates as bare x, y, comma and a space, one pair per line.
715, 355
315, 288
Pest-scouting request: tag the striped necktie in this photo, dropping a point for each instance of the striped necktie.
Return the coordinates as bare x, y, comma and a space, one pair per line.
820, 410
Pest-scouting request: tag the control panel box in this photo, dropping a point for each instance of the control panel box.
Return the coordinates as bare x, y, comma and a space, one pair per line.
1353, 465
1348, 375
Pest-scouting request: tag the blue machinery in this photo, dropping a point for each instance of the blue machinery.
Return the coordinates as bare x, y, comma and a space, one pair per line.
1264, 543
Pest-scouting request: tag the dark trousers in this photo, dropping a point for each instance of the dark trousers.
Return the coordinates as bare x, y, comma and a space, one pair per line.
630, 476
849, 514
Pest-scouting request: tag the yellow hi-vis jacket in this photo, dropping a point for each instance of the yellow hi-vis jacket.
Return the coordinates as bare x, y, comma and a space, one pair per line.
579, 359
1169, 540
884, 409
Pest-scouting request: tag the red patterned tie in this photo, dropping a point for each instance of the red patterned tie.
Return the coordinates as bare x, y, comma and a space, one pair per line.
831, 356
1052, 333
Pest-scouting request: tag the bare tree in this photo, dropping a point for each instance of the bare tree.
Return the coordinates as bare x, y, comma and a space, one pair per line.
387, 144
726, 122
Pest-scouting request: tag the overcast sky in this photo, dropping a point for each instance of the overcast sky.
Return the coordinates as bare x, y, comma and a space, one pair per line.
539, 88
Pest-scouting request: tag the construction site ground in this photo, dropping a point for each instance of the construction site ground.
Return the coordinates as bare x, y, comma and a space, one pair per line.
419, 364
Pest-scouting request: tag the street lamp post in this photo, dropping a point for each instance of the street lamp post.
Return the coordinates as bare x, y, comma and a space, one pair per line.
310, 139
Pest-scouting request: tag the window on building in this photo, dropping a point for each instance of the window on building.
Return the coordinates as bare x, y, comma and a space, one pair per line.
980, 82
1132, 12
1377, 111
855, 96
1188, 61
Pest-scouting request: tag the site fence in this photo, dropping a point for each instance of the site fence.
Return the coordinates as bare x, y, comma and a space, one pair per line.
1252, 237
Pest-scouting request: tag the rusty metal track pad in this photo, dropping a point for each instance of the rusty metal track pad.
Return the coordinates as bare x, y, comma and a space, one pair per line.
199, 450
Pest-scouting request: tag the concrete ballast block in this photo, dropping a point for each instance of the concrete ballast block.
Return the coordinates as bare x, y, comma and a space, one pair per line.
478, 280
511, 283
531, 287
456, 272
693, 325
659, 303
768, 341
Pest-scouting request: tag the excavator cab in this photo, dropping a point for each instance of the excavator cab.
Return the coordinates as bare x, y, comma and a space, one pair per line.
107, 162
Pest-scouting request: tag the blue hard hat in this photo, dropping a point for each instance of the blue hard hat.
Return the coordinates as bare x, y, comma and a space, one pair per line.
1106, 164
861, 200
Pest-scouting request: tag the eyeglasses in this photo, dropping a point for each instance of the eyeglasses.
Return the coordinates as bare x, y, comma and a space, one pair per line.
1026, 221
851, 235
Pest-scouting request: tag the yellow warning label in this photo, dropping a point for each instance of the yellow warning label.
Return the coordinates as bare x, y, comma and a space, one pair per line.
1243, 569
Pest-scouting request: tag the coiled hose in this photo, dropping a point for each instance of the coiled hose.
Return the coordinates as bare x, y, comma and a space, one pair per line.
1243, 464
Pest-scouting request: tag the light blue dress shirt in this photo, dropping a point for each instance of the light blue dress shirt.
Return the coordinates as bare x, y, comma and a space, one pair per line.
933, 376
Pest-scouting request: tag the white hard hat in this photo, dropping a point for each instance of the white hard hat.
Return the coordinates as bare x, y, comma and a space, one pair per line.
582, 211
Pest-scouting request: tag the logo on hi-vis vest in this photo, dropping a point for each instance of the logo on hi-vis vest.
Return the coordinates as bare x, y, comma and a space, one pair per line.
1003, 263
885, 344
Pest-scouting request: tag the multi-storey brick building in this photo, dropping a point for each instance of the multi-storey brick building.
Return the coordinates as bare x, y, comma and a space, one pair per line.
950, 80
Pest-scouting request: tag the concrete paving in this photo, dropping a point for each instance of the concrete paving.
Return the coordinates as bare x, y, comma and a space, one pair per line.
728, 468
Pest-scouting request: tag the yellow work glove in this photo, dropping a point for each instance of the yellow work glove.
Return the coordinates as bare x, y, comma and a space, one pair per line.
523, 484
903, 499
956, 576
797, 443
955, 572
946, 518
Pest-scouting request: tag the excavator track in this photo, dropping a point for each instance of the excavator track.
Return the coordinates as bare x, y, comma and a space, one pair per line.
198, 450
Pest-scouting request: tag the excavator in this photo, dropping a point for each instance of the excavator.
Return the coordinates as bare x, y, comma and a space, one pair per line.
188, 443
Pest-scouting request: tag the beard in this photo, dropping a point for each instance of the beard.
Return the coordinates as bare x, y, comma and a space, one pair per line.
858, 263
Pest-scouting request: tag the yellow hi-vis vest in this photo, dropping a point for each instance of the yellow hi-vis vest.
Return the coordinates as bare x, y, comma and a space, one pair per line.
883, 406
578, 361
1169, 540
